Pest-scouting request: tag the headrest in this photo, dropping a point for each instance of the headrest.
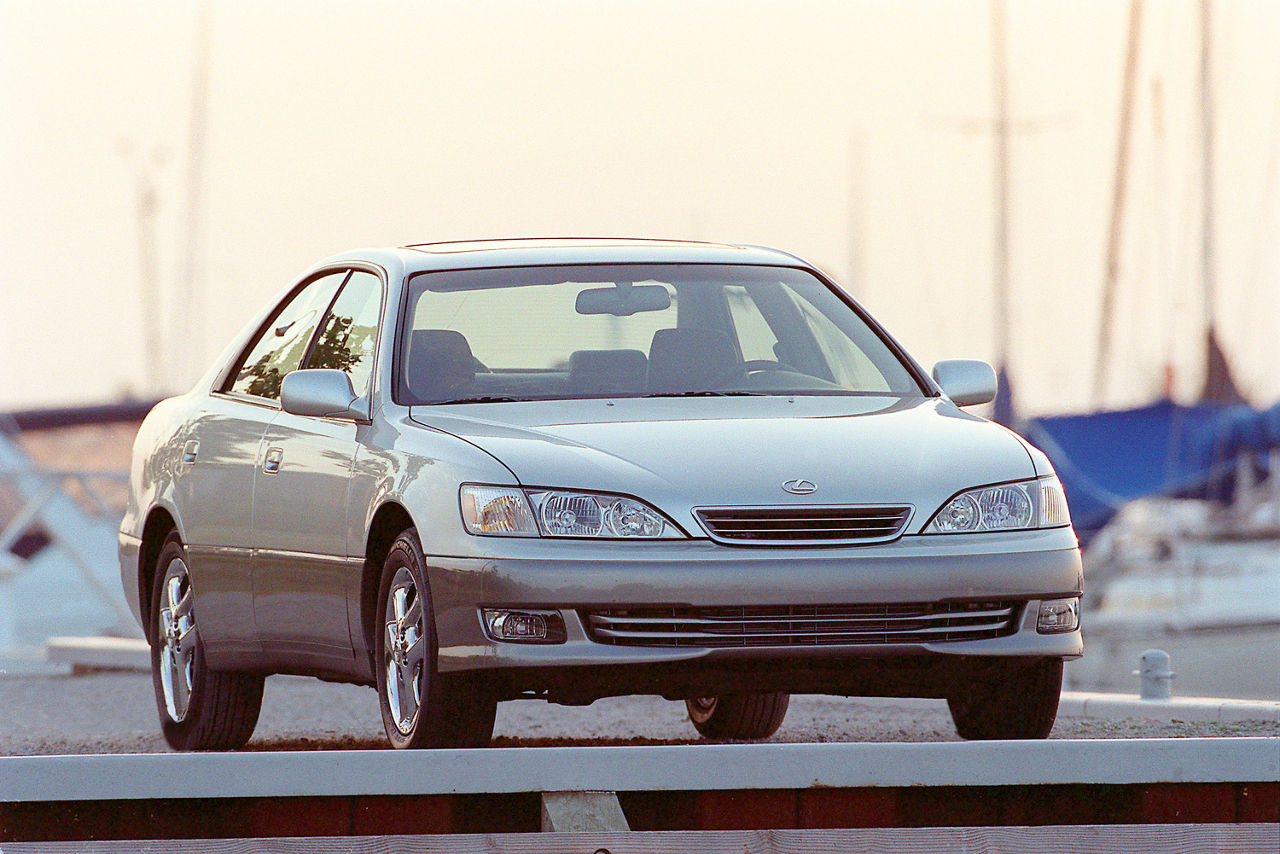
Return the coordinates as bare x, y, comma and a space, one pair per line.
439, 364
690, 359
604, 371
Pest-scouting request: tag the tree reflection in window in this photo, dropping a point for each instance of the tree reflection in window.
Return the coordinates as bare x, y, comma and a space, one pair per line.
346, 340
282, 344
341, 345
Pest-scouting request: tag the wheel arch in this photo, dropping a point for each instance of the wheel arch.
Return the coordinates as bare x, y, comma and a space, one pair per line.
160, 523
389, 521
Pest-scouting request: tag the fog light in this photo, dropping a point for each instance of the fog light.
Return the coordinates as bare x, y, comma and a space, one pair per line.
1058, 615
523, 626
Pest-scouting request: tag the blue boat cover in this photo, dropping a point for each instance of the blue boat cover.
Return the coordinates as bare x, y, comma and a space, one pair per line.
1107, 458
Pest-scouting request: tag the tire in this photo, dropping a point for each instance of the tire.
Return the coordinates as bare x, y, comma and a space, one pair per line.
419, 707
1022, 704
200, 709
738, 715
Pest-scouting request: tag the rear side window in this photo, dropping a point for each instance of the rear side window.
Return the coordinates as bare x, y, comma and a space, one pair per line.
281, 345
349, 334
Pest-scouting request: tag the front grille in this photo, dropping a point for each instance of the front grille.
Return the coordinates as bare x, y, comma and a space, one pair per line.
803, 625
803, 525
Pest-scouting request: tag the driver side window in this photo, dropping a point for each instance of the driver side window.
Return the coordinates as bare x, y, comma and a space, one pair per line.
282, 343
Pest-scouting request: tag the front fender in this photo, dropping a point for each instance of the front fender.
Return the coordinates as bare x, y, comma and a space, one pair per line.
419, 468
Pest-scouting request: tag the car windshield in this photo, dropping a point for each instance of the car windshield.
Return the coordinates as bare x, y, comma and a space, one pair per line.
635, 330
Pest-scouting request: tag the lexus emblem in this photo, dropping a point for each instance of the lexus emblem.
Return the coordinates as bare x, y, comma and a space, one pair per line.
800, 487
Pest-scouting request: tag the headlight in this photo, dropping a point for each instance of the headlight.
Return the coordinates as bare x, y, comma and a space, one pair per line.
1036, 503
510, 512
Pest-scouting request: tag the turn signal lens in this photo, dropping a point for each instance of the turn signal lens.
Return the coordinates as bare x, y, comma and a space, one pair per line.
1053, 504
496, 510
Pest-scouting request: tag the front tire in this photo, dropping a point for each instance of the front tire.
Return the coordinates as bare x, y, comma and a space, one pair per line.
738, 715
1023, 703
420, 708
200, 709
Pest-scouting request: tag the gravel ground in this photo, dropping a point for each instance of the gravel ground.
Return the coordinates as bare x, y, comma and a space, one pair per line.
115, 713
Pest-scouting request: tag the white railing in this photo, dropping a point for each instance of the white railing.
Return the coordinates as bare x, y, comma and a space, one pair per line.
71, 585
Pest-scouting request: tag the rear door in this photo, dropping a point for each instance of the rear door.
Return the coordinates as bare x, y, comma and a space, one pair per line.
216, 479
302, 564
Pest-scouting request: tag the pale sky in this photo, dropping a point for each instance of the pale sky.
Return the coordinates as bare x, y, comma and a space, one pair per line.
850, 133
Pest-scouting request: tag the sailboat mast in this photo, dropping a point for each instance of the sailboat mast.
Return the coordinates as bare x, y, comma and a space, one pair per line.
1119, 185
1001, 79
190, 308
1118, 199
1219, 385
1206, 175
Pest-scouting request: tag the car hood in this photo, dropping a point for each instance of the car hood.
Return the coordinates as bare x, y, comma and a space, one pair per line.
682, 453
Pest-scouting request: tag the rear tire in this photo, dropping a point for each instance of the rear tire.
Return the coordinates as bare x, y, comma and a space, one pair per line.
420, 708
748, 716
1022, 704
200, 709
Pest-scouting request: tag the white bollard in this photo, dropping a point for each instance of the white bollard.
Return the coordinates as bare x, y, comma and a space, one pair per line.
8, 607
1156, 675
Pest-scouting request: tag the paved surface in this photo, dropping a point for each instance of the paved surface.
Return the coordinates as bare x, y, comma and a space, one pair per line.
115, 713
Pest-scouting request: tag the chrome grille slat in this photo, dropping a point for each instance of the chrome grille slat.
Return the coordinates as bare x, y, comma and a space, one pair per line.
789, 519
804, 525
607, 621
890, 623
932, 630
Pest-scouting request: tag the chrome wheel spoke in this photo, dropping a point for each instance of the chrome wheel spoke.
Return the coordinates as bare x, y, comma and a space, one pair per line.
413, 616
415, 650
182, 607
399, 603
182, 686
393, 689
187, 639
407, 704
173, 592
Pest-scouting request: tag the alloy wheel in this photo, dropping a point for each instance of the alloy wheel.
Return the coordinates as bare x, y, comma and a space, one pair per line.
404, 652
177, 632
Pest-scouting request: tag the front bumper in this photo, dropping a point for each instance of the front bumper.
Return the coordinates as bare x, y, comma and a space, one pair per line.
573, 575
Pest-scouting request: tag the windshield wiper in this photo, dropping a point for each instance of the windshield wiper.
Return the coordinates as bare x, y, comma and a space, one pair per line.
488, 399
706, 393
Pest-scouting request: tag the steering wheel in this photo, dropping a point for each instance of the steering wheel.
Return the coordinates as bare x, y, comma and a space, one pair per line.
742, 370
755, 366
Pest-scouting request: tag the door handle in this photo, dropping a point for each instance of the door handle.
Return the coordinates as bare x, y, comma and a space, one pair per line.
271, 463
189, 452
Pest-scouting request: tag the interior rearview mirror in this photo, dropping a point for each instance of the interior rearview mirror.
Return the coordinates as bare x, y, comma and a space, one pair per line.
623, 300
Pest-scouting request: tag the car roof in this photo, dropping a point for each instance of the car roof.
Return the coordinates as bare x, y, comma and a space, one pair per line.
521, 252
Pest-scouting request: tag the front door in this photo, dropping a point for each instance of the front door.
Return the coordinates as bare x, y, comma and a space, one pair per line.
299, 538
303, 565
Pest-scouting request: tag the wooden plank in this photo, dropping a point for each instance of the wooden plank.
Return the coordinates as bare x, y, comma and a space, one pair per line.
581, 812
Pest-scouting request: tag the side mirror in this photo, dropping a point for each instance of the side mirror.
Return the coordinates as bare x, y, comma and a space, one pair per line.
965, 381
320, 391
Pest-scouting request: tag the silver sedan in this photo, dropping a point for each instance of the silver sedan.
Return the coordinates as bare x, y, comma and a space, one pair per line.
464, 473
